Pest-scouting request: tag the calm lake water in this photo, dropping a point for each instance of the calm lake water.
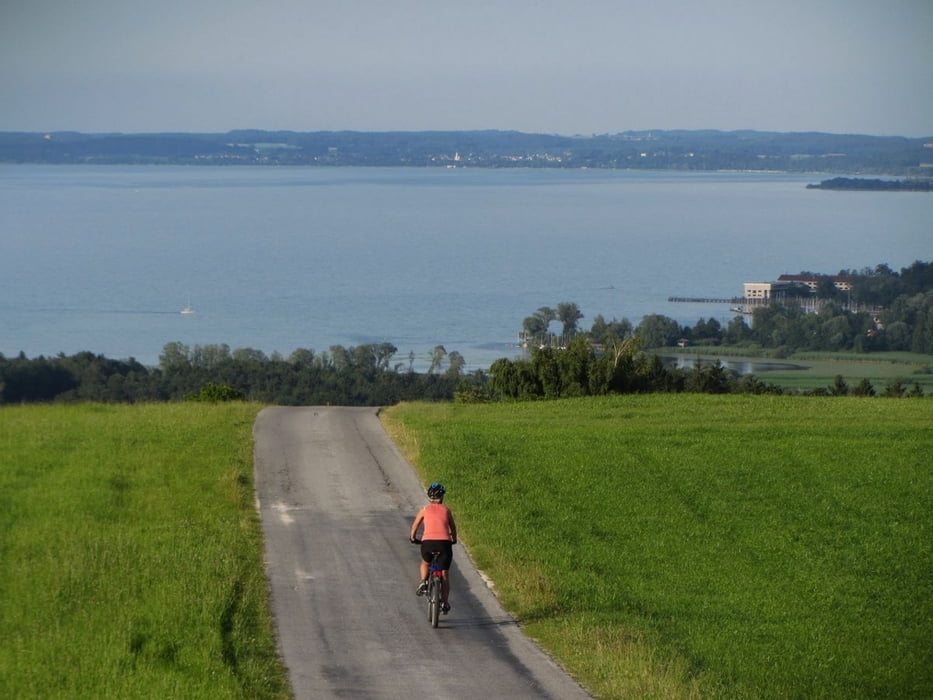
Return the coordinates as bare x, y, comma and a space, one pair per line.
103, 258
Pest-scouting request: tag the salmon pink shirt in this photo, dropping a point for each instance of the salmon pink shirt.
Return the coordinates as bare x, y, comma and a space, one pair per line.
436, 522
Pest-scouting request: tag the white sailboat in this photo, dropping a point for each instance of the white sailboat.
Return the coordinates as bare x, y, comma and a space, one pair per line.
187, 311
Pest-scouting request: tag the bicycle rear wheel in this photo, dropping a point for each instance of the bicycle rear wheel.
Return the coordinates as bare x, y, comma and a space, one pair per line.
434, 601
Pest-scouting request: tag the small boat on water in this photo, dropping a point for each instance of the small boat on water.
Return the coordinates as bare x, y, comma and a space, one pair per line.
187, 311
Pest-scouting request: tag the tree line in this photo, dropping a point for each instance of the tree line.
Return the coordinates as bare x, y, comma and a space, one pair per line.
361, 376
621, 367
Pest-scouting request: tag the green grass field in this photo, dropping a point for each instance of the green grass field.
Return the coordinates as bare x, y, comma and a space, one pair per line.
701, 546
658, 546
130, 554
819, 369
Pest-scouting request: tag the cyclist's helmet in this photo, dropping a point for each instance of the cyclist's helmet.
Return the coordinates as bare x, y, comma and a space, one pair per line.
436, 491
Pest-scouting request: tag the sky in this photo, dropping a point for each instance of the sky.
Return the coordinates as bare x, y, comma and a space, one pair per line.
543, 66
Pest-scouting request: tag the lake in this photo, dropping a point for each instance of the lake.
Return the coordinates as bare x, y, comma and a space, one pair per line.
104, 258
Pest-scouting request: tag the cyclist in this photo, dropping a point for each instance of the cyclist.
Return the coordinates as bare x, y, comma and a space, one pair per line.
439, 535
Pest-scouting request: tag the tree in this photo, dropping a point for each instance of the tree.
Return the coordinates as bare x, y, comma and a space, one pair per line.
534, 326
383, 354
917, 278
737, 332
574, 367
546, 371
603, 332
34, 380
339, 357
839, 387
895, 389
837, 333
658, 331
711, 378
546, 314
897, 336
249, 355
568, 313
209, 357
437, 358
456, 363
514, 380
878, 287
302, 358
826, 288
707, 330
174, 356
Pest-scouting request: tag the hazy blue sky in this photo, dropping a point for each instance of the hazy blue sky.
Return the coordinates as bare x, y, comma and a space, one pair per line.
580, 67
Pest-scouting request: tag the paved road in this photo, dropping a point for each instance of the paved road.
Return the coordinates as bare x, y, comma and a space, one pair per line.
336, 500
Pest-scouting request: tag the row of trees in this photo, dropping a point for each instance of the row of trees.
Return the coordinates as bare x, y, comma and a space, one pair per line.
582, 369
882, 286
363, 375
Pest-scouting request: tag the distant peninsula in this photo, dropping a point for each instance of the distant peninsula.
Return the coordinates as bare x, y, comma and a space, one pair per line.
698, 150
876, 185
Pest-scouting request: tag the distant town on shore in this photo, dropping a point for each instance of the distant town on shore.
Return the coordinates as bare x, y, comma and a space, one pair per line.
703, 150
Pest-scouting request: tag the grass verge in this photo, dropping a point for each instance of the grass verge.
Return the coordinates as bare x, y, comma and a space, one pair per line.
130, 554
701, 546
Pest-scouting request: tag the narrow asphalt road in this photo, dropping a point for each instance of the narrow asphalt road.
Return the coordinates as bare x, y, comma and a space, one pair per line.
336, 500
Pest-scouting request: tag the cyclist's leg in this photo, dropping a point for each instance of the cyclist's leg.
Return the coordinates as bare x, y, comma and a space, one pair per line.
427, 552
446, 562
422, 574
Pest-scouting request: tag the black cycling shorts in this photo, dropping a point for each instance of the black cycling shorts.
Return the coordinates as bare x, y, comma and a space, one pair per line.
428, 547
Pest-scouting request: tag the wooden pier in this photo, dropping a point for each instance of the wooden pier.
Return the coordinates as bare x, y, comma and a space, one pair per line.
709, 300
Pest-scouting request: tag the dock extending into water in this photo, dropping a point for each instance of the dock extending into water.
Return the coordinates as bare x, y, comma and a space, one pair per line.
709, 300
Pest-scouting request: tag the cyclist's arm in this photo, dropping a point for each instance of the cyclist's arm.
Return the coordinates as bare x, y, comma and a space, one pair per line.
453, 529
416, 523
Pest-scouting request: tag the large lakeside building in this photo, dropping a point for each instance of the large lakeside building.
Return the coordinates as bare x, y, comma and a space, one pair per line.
762, 291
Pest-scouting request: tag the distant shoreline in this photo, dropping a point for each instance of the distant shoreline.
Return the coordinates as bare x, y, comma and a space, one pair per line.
873, 185
673, 150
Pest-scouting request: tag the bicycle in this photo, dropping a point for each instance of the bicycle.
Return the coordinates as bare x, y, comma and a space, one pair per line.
434, 593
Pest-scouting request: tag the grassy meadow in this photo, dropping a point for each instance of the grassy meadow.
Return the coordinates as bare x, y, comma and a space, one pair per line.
819, 369
701, 546
658, 546
130, 554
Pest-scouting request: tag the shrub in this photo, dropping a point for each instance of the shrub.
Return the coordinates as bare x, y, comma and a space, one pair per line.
215, 393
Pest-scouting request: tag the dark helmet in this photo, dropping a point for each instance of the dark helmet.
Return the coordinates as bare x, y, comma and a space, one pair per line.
436, 491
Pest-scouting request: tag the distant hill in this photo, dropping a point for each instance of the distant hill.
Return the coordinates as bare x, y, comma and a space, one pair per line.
664, 150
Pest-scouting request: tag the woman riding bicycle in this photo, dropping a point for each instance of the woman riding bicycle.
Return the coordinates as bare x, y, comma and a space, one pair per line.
439, 535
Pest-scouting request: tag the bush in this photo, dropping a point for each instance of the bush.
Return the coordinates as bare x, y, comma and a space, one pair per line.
215, 393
